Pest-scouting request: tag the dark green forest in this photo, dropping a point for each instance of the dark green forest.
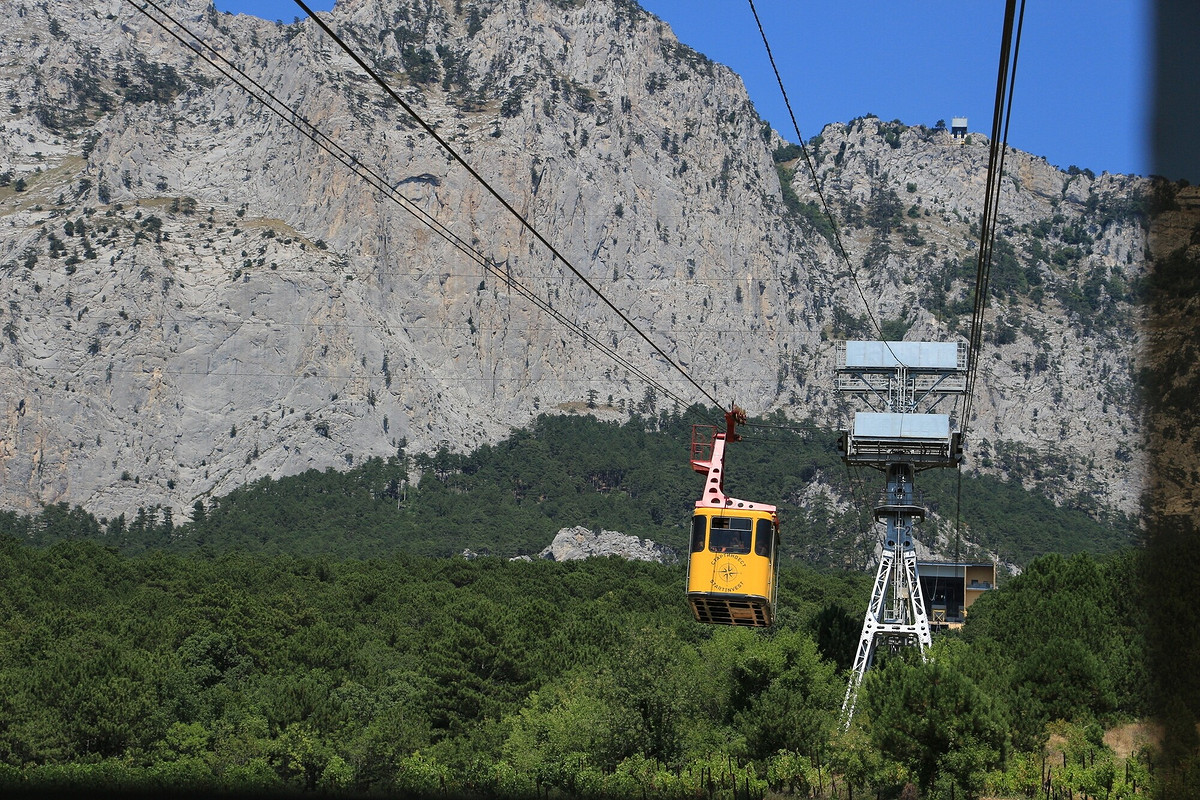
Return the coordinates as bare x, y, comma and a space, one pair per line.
318, 633
404, 674
634, 477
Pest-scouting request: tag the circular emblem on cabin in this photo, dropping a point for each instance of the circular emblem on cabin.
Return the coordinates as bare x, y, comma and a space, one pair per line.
727, 573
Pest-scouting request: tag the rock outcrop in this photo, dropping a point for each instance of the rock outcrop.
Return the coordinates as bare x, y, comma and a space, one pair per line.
573, 544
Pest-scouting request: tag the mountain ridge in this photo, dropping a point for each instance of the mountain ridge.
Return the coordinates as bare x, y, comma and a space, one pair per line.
238, 306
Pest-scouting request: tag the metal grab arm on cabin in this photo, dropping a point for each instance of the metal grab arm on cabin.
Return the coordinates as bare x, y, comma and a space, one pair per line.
708, 457
733, 417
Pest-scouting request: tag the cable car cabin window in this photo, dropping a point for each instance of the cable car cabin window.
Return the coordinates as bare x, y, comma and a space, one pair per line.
763, 537
699, 528
730, 535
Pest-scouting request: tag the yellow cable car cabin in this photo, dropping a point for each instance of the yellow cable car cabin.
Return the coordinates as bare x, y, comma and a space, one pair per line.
731, 568
732, 565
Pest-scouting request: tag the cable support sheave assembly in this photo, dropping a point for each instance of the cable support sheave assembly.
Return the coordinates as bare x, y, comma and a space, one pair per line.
377, 181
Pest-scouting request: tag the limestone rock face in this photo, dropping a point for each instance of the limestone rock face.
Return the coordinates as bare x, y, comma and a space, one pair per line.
200, 296
573, 544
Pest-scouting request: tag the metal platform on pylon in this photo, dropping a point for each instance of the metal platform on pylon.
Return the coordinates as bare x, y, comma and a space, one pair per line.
879, 438
901, 376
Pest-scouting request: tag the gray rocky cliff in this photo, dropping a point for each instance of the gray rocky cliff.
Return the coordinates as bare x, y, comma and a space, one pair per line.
199, 296
573, 544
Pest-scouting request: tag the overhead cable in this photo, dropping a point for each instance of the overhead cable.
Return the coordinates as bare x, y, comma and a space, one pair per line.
381, 184
1010, 46
837, 236
445, 145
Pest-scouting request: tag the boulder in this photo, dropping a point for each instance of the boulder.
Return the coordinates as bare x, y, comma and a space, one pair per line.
572, 544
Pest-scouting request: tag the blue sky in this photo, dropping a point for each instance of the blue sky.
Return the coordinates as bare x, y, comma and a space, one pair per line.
1082, 82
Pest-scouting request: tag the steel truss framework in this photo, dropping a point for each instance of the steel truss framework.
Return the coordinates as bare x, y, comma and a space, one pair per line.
906, 380
896, 614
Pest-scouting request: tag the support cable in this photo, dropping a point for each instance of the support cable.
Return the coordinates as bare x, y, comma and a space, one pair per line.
1010, 47
837, 236
289, 115
500, 198
998, 147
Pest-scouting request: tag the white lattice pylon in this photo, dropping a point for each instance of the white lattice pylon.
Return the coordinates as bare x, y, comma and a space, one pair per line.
896, 614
